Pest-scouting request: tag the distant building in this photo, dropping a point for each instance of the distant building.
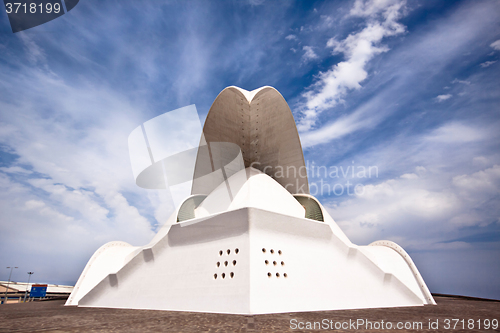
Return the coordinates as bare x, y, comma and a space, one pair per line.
17, 290
250, 239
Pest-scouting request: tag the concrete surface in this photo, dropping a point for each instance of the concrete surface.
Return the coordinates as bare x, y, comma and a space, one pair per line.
261, 124
52, 316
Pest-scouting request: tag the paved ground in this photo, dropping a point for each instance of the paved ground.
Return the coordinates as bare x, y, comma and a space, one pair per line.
52, 316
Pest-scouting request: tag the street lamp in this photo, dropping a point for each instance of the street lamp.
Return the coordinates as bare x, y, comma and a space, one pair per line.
8, 282
27, 286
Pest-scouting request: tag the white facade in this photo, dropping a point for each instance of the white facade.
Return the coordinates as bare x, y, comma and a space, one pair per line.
248, 248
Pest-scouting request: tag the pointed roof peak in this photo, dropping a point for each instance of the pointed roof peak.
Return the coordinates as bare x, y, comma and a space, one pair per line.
249, 95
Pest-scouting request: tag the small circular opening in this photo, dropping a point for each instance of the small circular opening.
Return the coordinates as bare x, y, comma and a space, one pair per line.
228, 251
215, 276
218, 263
285, 275
267, 262
263, 250
225, 263
231, 275
272, 251
282, 263
269, 274
220, 252
234, 262
274, 263
277, 274
237, 251
223, 275
279, 252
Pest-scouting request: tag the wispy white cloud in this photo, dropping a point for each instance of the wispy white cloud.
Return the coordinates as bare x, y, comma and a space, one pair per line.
308, 54
256, 2
496, 45
15, 169
441, 98
434, 49
481, 183
409, 176
327, 21
425, 208
461, 81
359, 119
358, 48
334, 130
371, 8
393, 205
488, 63
34, 204
34, 53
455, 132
291, 37
413, 205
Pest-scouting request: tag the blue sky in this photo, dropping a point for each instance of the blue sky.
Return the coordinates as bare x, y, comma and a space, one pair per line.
410, 87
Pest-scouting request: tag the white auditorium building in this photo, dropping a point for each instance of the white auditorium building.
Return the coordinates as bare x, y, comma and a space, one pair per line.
246, 241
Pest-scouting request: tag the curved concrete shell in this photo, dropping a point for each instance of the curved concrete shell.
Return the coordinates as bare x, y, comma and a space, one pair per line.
262, 125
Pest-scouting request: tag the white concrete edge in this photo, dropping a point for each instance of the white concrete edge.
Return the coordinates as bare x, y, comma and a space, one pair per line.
71, 299
411, 265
